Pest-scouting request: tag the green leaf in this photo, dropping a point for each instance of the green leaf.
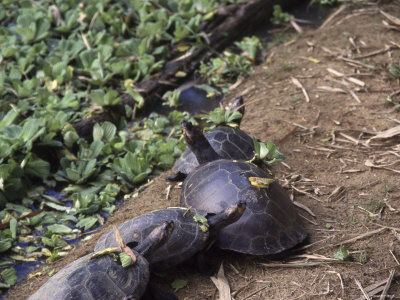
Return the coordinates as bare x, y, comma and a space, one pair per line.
273, 153
263, 151
89, 168
111, 98
31, 249
59, 228
48, 241
172, 98
56, 206
342, 253
97, 97
95, 149
135, 96
109, 130
179, 284
98, 132
42, 30
202, 221
250, 45
256, 146
37, 167
5, 244
18, 208
9, 276
9, 118
70, 137
126, 259
6, 263
13, 228
87, 223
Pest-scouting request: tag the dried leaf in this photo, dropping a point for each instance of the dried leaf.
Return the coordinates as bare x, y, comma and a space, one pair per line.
391, 18
33, 275
106, 251
325, 88
121, 244
387, 133
180, 74
222, 284
314, 60
183, 48
261, 182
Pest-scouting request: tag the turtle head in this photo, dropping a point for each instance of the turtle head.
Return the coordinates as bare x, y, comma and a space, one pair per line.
156, 238
191, 133
238, 104
226, 217
198, 143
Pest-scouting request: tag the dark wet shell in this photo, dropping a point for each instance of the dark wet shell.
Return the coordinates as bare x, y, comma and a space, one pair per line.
100, 278
270, 223
185, 241
228, 142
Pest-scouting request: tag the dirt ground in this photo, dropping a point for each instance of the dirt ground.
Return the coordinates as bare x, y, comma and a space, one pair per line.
349, 181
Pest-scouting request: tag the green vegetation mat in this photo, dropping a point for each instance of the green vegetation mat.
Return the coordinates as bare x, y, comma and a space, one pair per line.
65, 60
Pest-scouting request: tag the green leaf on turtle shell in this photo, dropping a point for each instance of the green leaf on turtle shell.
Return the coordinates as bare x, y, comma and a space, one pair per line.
202, 221
179, 284
126, 259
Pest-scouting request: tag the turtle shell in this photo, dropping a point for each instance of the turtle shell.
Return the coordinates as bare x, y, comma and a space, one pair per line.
186, 239
228, 142
99, 278
270, 223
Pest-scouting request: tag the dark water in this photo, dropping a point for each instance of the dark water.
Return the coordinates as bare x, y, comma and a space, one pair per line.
194, 100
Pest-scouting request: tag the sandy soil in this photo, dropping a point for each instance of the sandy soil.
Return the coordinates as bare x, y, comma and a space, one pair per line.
328, 170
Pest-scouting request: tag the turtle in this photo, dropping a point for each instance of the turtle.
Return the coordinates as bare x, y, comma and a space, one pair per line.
102, 277
270, 224
227, 141
194, 231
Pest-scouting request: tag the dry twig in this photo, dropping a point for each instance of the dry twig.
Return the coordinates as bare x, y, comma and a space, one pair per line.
331, 17
297, 83
361, 236
387, 286
362, 289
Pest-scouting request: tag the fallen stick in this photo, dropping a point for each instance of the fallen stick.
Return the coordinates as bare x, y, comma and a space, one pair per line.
362, 289
367, 234
387, 286
297, 83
